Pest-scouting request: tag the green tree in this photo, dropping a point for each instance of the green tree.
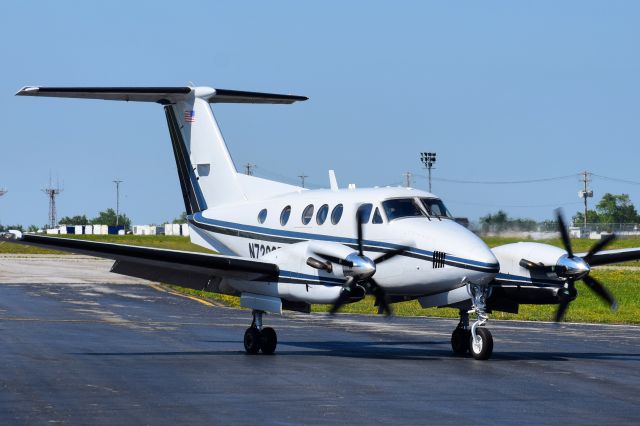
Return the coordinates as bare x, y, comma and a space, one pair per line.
75, 220
33, 228
592, 217
10, 227
494, 222
181, 219
616, 209
500, 221
108, 217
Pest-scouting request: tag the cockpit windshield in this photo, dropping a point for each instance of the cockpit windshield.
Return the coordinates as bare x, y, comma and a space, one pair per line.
401, 207
435, 207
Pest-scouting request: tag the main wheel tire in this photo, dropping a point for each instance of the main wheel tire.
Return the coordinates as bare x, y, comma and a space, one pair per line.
460, 341
482, 348
268, 340
252, 340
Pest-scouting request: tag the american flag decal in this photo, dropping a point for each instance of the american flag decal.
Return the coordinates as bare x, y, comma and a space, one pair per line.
190, 116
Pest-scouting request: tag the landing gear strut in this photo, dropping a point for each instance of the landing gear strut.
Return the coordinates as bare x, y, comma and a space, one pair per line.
475, 339
258, 338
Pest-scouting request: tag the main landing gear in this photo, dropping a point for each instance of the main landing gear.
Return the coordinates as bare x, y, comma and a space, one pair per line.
475, 339
258, 338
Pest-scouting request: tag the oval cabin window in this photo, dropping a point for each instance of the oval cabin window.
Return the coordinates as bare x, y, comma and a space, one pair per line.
336, 214
307, 214
284, 216
322, 214
262, 216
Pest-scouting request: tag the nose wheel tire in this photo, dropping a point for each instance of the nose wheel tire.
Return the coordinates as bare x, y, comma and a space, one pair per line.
252, 340
460, 341
482, 347
268, 340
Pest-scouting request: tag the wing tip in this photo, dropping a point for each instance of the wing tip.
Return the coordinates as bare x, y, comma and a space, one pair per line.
27, 91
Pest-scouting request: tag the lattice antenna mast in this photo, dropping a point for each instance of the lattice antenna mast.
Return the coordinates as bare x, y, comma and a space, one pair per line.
52, 192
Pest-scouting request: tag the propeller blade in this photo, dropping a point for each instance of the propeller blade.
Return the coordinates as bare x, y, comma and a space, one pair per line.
562, 309
624, 255
344, 295
599, 246
359, 220
564, 233
390, 254
601, 291
564, 301
381, 298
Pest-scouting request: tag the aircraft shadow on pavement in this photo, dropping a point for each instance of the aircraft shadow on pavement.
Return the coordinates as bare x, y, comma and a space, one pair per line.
399, 350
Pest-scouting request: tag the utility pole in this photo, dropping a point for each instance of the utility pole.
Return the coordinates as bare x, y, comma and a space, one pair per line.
585, 193
52, 193
407, 179
249, 168
117, 182
302, 178
428, 159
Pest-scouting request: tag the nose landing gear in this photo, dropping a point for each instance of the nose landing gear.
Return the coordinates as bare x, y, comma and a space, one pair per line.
258, 338
475, 339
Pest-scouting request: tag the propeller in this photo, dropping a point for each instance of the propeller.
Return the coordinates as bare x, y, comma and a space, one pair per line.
574, 268
359, 270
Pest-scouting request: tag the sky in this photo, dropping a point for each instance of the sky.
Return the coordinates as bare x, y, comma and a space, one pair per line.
501, 91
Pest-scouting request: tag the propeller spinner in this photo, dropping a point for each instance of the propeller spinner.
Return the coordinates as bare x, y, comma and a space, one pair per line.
359, 270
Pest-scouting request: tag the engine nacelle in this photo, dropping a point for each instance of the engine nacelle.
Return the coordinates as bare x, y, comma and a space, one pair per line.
510, 255
516, 285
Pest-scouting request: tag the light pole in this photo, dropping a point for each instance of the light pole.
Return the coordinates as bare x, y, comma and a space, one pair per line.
428, 159
302, 178
584, 194
117, 182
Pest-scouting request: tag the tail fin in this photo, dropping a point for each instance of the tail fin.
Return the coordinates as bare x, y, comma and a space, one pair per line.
205, 168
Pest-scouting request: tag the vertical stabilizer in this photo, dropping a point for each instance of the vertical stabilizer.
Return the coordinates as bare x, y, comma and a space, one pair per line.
209, 157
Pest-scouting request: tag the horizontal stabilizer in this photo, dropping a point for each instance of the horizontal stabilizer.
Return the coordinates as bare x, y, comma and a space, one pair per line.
161, 95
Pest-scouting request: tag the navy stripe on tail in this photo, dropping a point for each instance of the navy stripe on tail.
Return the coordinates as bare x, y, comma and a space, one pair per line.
193, 199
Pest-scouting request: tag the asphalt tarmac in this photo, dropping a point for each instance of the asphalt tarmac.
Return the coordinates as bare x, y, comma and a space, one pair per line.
82, 346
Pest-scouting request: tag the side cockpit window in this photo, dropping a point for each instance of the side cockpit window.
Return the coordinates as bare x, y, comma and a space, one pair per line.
399, 208
377, 217
435, 207
364, 212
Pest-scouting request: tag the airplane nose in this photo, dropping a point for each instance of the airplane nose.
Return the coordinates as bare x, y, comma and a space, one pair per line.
475, 256
484, 265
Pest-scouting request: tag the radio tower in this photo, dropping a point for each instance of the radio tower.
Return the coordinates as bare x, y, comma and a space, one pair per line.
52, 193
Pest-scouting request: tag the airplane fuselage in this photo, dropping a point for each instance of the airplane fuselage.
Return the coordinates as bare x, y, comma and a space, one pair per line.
440, 255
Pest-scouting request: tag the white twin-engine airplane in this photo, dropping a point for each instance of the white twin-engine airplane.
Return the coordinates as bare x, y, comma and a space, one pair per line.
286, 247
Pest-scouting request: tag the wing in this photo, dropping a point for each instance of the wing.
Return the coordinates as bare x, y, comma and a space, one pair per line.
183, 268
607, 257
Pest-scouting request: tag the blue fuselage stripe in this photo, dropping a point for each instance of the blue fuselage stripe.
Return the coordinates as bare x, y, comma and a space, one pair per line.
198, 218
